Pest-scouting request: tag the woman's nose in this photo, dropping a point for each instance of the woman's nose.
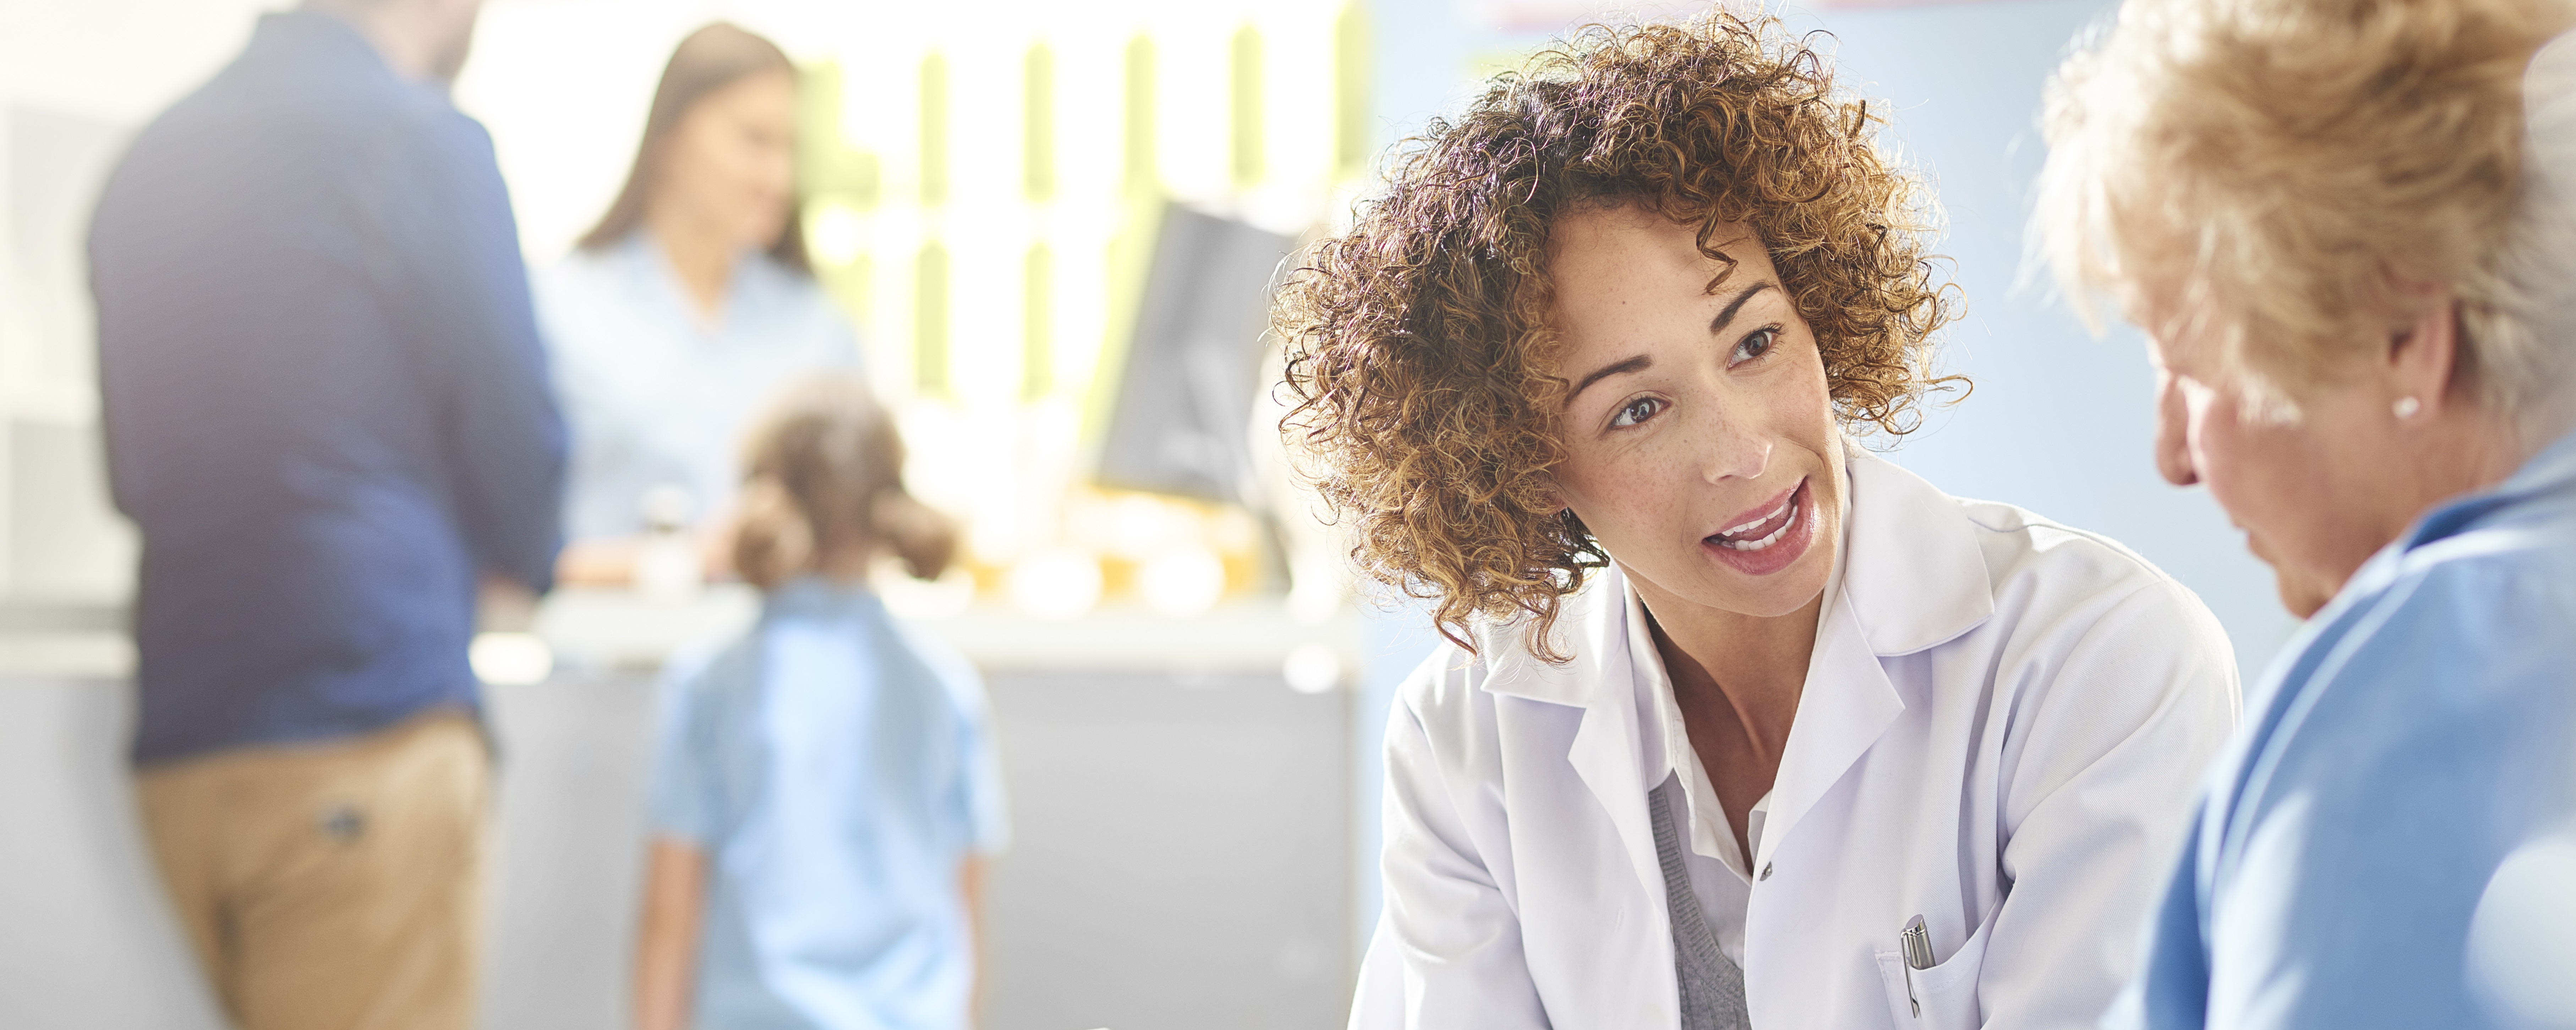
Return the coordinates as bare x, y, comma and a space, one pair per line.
1733, 449
2173, 432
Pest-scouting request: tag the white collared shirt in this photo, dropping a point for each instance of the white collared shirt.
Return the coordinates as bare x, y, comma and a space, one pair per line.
1721, 875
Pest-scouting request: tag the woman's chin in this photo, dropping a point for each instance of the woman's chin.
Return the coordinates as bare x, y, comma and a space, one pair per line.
2302, 590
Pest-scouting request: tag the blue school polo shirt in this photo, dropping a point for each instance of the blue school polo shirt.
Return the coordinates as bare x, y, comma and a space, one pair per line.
836, 770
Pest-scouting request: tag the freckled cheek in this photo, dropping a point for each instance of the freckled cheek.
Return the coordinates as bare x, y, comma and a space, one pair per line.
1805, 410
1634, 497
1801, 419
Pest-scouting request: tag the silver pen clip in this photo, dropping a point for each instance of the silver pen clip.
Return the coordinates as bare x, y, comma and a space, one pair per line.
1916, 942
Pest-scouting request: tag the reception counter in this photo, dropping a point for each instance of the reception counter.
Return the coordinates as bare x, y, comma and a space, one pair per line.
1182, 856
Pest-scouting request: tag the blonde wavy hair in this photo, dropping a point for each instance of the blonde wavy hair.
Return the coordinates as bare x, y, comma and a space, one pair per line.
823, 480
2280, 177
1420, 359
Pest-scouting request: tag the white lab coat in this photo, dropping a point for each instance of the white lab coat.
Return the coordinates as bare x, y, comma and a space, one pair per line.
2002, 728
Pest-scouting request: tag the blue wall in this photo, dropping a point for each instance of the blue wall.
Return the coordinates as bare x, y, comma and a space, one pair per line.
2060, 422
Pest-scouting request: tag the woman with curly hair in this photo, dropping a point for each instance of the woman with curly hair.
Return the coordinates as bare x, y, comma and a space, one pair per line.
1737, 723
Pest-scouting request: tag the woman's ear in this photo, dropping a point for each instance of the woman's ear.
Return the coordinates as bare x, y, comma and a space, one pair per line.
2423, 358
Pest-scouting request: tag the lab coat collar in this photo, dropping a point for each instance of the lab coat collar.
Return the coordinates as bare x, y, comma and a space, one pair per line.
1912, 577
1912, 570
1592, 625
1607, 753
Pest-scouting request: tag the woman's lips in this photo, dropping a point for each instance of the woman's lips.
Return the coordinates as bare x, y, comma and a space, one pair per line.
1766, 541
1762, 530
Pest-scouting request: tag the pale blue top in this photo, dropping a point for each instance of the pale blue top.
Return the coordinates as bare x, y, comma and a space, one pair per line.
657, 393
2420, 728
837, 771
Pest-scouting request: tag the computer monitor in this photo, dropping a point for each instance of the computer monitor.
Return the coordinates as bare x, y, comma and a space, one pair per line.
1184, 403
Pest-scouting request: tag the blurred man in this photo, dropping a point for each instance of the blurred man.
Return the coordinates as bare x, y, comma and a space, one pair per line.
327, 411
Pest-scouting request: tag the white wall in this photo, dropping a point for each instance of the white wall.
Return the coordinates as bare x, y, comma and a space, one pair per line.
121, 60
75, 77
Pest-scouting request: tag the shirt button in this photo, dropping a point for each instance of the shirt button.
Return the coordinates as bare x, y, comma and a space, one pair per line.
1766, 872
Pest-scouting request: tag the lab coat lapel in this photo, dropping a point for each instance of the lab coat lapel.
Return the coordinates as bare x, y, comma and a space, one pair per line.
1847, 703
1912, 570
1607, 753
1913, 577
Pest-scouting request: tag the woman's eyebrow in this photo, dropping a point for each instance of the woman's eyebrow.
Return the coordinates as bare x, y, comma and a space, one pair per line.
1635, 364
1641, 362
1723, 317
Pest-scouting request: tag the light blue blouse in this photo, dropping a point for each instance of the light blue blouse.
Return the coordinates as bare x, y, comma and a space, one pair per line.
836, 771
2419, 729
657, 394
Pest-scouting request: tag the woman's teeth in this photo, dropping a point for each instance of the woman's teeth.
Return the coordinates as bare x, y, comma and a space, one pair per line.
1766, 517
1725, 538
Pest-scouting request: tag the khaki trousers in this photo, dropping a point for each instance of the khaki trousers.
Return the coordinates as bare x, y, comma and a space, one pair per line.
332, 886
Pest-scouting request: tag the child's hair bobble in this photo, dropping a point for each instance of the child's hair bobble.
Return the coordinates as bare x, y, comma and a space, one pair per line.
823, 478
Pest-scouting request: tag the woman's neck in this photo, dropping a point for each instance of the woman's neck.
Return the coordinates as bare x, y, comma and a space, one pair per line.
699, 254
1755, 667
2461, 451
1736, 680
2472, 451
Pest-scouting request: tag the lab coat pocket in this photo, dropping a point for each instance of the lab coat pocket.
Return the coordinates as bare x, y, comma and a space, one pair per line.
1946, 993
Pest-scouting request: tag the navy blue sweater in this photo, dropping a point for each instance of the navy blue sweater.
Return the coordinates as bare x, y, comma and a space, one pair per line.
325, 402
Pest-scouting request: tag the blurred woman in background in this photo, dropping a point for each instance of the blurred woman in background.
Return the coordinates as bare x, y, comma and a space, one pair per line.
2350, 257
688, 306
825, 792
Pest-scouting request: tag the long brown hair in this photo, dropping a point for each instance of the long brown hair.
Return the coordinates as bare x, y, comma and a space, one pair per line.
713, 57
823, 476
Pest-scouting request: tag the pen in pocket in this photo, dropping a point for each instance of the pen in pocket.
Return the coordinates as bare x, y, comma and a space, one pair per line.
1916, 944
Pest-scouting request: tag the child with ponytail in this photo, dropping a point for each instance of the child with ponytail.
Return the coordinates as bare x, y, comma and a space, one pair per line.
825, 792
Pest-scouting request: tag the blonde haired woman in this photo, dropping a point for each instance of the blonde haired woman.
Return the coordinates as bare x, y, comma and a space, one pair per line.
2331, 220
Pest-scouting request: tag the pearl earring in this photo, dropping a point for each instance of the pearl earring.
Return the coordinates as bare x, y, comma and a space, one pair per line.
2406, 407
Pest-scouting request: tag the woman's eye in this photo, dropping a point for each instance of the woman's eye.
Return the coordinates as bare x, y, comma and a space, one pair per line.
1636, 411
1757, 344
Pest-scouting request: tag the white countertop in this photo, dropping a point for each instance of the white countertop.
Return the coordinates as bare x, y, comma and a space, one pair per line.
614, 629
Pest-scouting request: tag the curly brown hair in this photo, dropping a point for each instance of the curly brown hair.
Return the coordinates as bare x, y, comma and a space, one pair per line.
1420, 356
